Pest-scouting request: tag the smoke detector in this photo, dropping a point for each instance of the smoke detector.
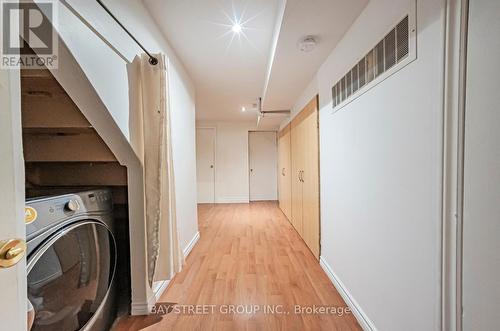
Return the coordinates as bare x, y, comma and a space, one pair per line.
306, 44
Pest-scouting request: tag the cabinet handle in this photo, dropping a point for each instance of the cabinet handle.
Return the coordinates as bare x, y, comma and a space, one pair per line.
283, 172
299, 176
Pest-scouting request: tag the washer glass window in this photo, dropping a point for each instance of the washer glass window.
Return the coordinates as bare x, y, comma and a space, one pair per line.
70, 275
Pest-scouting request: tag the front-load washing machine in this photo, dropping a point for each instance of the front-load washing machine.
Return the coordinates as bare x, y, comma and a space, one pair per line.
71, 261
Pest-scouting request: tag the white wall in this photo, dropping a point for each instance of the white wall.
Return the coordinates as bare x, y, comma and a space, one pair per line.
481, 210
307, 95
231, 160
184, 156
381, 181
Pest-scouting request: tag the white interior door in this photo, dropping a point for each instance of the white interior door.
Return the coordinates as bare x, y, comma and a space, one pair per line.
205, 164
481, 204
263, 160
12, 279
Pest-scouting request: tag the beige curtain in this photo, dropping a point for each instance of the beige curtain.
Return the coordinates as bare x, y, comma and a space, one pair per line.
151, 139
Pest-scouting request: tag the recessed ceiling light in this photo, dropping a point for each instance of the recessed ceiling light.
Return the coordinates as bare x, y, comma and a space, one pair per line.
236, 28
243, 109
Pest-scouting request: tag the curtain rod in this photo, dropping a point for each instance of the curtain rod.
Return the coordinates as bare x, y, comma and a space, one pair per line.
152, 59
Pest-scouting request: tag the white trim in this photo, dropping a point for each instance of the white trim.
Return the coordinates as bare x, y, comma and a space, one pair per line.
141, 308
274, 44
159, 287
265, 197
452, 171
191, 244
233, 199
360, 315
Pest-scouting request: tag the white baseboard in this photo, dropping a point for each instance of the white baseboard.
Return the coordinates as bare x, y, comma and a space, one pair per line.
191, 244
232, 199
360, 315
264, 198
141, 308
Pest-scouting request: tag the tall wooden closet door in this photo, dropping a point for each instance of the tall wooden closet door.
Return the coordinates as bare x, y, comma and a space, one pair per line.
310, 180
281, 169
285, 189
297, 166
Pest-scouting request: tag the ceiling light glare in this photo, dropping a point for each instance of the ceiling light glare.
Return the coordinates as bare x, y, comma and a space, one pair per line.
243, 109
236, 28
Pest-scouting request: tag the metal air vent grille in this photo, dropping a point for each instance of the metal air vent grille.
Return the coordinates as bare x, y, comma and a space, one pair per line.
389, 52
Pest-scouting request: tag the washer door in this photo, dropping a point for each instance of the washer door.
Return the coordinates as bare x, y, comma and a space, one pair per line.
70, 274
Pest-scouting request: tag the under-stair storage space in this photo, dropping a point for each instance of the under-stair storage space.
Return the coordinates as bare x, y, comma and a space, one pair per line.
64, 154
62, 151
299, 180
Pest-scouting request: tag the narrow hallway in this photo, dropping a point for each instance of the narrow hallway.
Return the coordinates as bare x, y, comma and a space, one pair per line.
248, 254
249, 165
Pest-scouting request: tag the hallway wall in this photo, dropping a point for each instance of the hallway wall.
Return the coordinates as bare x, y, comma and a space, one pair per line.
381, 180
481, 210
307, 95
231, 160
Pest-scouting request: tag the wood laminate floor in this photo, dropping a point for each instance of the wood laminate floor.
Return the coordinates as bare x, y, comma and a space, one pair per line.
248, 254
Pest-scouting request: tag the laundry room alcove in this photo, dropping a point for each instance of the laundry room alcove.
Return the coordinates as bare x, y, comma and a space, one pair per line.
64, 154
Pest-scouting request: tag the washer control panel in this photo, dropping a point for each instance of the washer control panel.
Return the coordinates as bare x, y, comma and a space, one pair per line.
53, 210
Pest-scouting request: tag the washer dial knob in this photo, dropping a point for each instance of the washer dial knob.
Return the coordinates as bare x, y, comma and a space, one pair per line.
72, 205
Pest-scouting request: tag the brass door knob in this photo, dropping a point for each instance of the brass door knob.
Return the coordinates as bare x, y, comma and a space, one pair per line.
11, 252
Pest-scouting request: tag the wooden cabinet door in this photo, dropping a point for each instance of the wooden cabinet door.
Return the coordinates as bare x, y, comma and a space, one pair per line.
310, 182
297, 166
281, 169
285, 189
288, 175
305, 176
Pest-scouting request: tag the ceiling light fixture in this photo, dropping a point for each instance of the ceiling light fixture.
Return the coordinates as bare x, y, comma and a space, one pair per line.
236, 28
307, 44
243, 109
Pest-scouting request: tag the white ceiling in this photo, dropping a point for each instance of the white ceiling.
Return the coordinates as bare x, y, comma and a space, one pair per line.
227, 75
229, 70
292, 70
